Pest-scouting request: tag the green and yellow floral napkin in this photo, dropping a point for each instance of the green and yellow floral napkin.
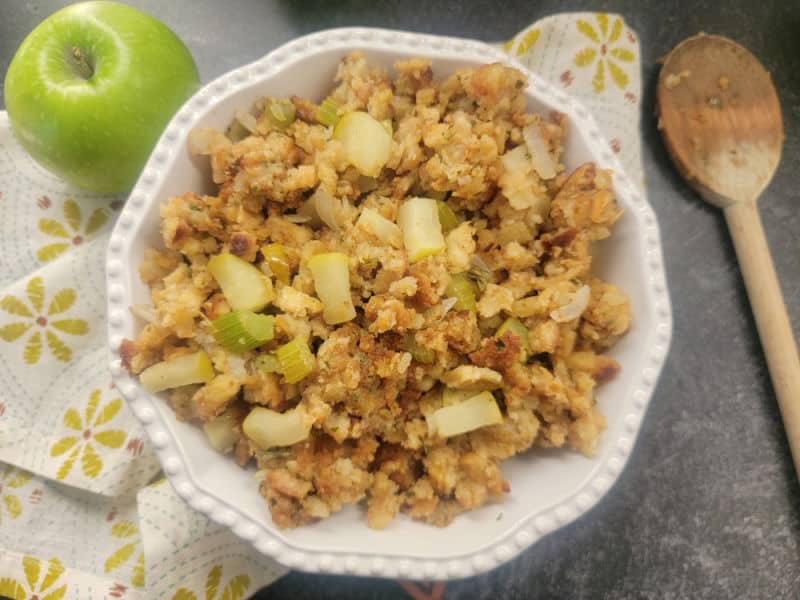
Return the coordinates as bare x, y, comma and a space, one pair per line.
84, 512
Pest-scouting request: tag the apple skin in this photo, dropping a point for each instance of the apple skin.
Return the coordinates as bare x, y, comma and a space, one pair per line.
97, 132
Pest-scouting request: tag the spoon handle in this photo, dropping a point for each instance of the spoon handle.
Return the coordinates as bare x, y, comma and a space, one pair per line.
773, 324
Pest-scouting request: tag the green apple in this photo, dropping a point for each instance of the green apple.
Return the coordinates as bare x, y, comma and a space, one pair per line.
90, 90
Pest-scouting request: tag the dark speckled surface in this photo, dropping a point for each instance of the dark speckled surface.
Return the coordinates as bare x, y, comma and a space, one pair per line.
709, 505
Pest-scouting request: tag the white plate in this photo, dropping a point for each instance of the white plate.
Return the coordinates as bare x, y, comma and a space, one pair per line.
548, 488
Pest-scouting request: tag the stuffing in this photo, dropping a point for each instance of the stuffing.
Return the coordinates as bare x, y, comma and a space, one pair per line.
211, 399
359, 352
460, 248
296, 303
403, 288
495, 299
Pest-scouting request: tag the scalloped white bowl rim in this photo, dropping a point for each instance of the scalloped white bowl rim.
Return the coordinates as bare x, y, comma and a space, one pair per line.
475, 542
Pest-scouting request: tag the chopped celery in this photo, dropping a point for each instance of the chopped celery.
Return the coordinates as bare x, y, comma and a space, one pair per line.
268, 429
331, 273
296, 360
419, 352
281, 112
476, 412
222, 432
276, 259
268, 363
447, 218
422, 233
479, 272
244, 286
516, 327
328, 112
242, 330
183, 370
366, 142
382, 228
462, 288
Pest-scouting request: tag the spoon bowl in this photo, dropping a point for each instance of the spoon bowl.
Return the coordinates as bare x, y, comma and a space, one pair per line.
720, 118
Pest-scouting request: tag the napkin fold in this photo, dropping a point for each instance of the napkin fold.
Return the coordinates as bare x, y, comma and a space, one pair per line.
83, 510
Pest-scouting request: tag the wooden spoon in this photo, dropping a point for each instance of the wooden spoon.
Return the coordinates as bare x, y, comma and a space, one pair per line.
721, 121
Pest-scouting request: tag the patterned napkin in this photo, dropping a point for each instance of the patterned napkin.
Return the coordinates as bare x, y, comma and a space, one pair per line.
84, 512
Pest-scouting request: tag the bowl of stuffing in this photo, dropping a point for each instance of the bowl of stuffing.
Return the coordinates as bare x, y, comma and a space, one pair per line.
387, 305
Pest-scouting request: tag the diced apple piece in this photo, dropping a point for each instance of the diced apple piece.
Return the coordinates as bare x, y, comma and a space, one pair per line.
452, 396
221, 432
479, 411
183, 370
422, 234
268, 429
244, 286
331, 273
382, 228
471, 377
366, 142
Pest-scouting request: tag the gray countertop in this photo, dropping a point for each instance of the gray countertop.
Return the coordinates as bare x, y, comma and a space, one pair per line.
709, 504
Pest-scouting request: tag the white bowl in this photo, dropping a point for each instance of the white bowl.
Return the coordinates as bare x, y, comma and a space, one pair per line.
548, 488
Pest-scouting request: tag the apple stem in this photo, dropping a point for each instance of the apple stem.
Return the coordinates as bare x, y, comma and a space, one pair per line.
80, 64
